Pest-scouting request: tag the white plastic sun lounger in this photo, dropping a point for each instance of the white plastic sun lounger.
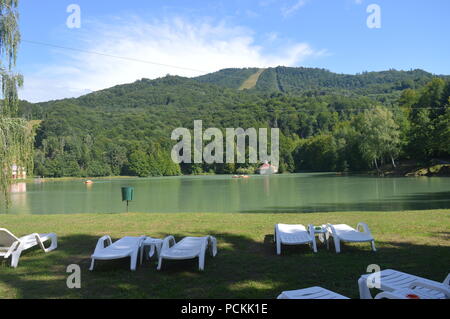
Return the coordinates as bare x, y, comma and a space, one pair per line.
404, 294
294, 235
12, 246
125, 247
393, 280
188, 248
310, 293
345, 233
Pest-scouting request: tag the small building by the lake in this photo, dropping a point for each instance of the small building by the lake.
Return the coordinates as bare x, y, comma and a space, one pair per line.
18, 172
267, 169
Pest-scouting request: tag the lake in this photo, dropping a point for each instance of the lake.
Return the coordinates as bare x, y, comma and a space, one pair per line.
223, 194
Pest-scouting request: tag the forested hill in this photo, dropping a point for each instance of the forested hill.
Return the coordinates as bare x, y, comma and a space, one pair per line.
219, 87
299, 80
328, 121
230, 78
162, 93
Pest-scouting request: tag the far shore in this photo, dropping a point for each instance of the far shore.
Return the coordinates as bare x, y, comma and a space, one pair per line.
437, 170
440, 170
68, 179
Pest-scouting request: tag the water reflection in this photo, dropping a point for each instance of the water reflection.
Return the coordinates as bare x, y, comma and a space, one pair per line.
19, 199
18, 188
267, 185
258, 194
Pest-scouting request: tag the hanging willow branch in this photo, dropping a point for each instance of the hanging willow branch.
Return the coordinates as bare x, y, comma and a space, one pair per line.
16, 136
16, 148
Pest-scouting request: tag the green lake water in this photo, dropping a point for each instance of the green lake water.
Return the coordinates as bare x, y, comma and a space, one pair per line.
222, 194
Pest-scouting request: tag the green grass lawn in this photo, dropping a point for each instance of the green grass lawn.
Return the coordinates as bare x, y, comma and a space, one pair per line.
246, 266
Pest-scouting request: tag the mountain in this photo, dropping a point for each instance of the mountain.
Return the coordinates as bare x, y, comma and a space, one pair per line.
230, 78
297, 80
219, 87
126, 129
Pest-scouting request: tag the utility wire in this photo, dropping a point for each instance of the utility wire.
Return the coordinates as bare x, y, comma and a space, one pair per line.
113, 56
119, 57
169, 66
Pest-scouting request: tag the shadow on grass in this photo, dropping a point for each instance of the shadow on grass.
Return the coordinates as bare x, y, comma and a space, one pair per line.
419, 201
243, 268
443, 235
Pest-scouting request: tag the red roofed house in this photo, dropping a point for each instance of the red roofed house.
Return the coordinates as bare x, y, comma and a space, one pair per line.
267, 169
18, 172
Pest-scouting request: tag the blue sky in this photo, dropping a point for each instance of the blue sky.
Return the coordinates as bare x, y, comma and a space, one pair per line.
190, 38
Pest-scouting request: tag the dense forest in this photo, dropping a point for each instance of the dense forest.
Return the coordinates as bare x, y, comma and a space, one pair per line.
328, 121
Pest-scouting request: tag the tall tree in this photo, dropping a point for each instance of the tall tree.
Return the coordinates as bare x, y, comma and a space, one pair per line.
428, 134
380, 135
16, 143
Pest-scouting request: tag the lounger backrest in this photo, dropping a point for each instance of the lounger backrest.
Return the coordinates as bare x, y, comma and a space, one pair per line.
192, 242
7, 238
102, 243
446, 281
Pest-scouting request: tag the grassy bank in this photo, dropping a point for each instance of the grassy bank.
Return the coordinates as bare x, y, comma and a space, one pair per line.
417, 242
409, 169
70, 179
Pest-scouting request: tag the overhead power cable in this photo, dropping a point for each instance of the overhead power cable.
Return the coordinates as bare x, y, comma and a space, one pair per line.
113, 56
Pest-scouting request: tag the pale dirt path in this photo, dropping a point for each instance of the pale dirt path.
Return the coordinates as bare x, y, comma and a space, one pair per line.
252, 80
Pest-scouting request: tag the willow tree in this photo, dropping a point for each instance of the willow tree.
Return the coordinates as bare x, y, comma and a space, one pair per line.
16, 140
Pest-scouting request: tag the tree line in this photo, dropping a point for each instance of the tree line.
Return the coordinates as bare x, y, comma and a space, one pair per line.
126, 130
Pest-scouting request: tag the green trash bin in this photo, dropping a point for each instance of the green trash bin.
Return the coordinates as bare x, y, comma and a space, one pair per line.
127, 193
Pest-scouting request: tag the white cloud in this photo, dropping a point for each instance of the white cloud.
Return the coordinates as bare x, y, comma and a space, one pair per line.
272, 36
252, 14
287, 11
203, 46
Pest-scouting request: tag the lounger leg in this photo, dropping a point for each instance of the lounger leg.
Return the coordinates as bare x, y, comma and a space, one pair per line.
213, 246
160, 263
314, 246
278, 247
158, 249
133, 262
15, 259
53, 244
364, 292
373, 245
92, 265
201, 262
337, 245
151, 252
327, 239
